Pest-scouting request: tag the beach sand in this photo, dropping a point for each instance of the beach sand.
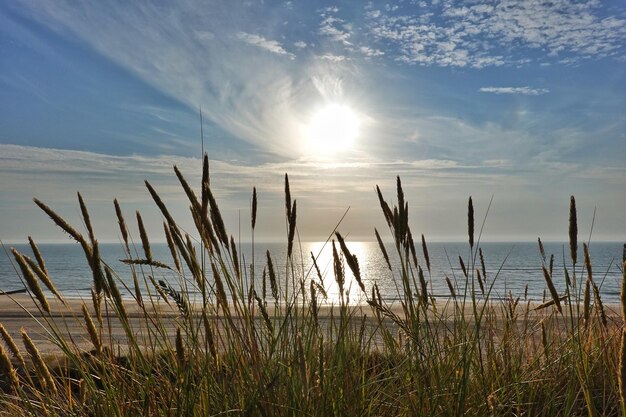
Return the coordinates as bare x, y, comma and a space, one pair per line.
19, 311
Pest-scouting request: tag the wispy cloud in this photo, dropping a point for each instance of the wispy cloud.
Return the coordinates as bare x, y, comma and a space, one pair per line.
264, 103
261, 42
527, 91
335, 28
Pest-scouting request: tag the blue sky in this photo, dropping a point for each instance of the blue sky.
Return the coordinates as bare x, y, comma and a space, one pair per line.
522, 101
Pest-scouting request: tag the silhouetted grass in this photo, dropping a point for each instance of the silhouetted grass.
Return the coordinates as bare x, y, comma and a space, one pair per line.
248, 349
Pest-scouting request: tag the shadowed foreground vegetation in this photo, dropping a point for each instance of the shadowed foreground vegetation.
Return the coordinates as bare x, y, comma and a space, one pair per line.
254, 346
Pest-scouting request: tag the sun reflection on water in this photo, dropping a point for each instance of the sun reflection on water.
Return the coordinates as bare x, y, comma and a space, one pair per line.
324, 257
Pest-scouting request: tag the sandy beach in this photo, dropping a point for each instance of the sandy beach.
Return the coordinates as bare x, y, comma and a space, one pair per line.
19, 311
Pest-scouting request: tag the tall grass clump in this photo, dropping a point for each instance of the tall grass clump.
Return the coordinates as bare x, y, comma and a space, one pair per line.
276, 343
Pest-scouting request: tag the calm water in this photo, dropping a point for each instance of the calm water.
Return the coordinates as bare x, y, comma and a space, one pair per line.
511, 266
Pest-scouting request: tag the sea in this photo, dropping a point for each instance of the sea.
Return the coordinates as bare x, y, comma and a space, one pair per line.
514, 269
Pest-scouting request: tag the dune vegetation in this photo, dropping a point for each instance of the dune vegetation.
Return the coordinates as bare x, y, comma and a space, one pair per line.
274, 344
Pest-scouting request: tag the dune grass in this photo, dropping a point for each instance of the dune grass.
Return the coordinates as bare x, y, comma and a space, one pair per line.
254, 346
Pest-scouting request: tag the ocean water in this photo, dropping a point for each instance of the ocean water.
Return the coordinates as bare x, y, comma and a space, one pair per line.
512, 268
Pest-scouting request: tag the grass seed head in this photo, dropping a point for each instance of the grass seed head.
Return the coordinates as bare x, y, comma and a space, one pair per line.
411, 245
254, 208
86, 218
91, 329
144, 238
470, 222
587, 261
351, 260
482, 263
6, 368
382, 249
40, 366
222, 299
480, 282
96, 268
292, 229
160, 204
424, 292
37, 253
31, 280
170, 245
195, 204
599, 304
463, 266
96, 299
552, 288
542, 251
43, 277
272, 276
10, 343
216, 219
235, 255
116, 296
425, 251
338, 269
451, 288
59, 221
287, 198
385, 207
573, 230
121, 223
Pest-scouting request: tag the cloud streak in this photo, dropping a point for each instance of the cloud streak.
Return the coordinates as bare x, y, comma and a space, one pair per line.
526, 91
269, 45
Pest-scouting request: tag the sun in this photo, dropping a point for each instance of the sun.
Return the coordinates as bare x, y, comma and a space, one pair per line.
332, 130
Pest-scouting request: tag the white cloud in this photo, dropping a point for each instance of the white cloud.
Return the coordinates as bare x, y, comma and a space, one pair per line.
527, 91
370, 52
335, 28
261, 42
454, 34
300, 44
332, 57
330, 9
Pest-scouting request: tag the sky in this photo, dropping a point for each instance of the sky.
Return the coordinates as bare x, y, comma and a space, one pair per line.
518, 103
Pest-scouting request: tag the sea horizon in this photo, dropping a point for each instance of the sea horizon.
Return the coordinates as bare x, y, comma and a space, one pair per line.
511, 266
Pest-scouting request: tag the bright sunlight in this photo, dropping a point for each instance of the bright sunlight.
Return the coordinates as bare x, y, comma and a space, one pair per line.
332, 130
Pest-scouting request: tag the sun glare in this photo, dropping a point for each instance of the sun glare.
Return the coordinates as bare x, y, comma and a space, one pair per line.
332, 129
323, 252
